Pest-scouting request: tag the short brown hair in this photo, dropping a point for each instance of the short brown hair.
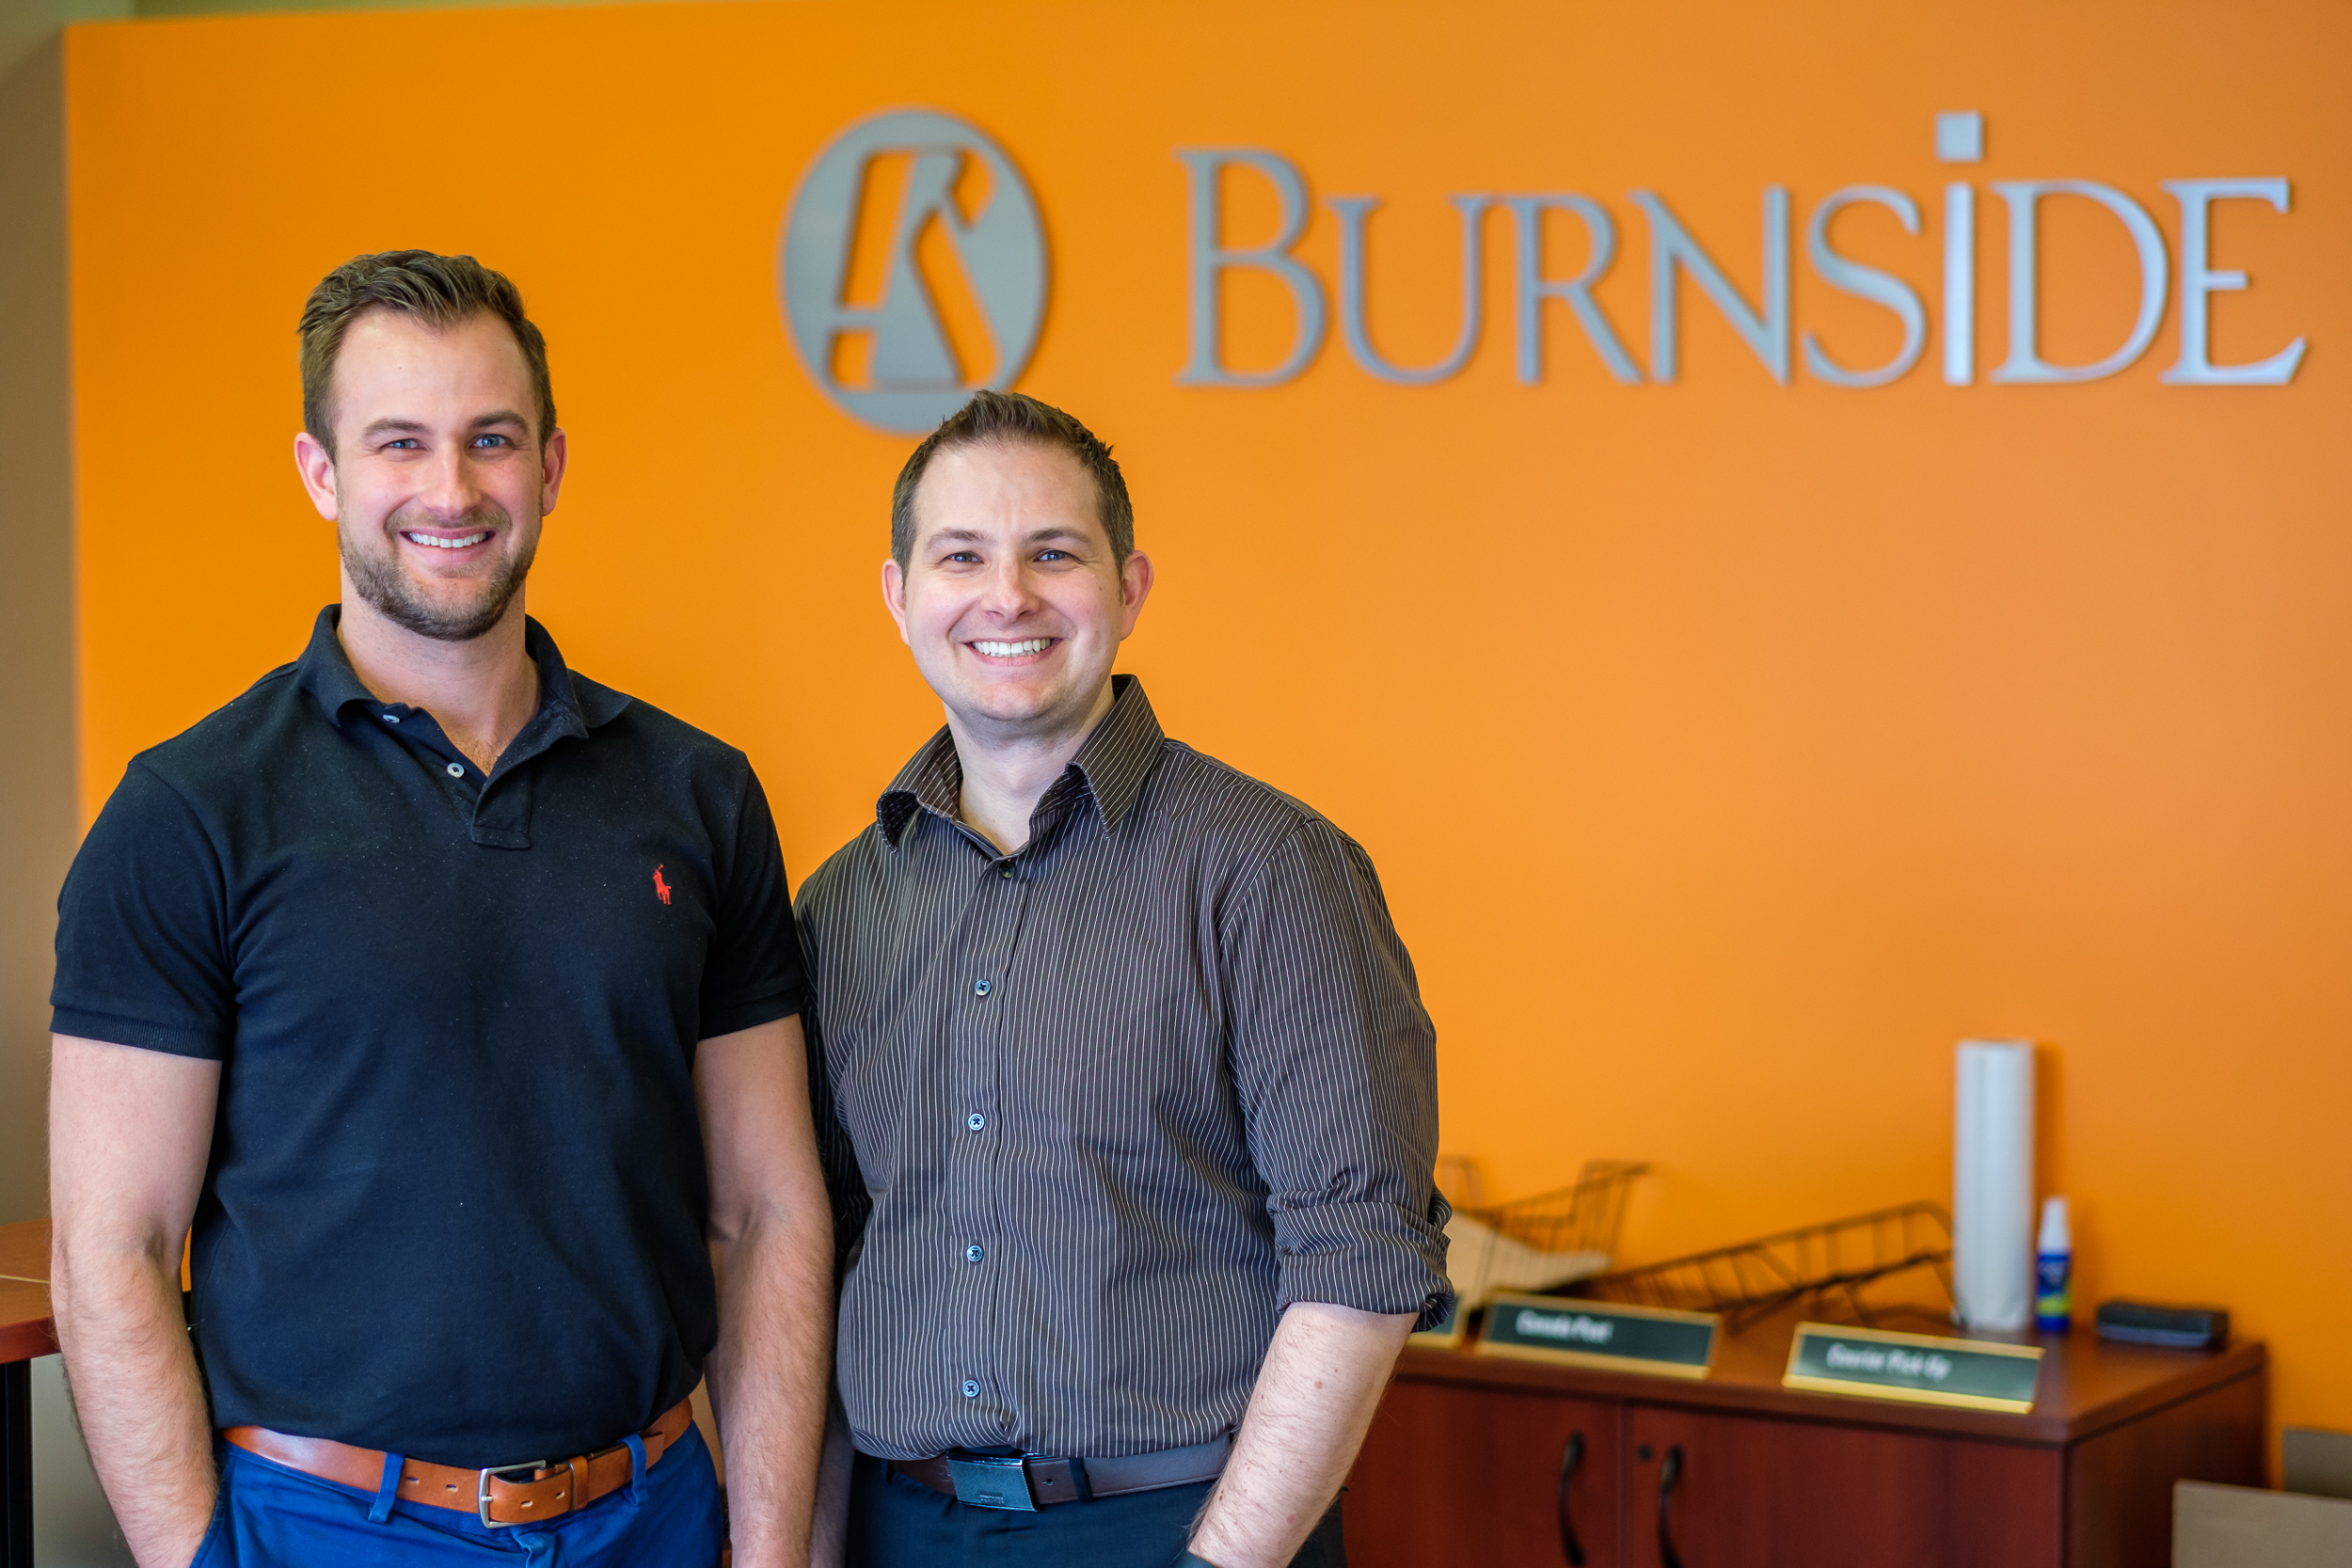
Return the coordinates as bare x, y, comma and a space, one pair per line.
1009, 418
440, 291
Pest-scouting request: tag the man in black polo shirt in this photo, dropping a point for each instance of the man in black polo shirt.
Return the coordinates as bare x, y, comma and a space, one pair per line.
452, 998
1130, 1102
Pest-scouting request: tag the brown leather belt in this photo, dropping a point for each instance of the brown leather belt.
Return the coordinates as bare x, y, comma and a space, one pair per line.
1029, 1481
498, 1496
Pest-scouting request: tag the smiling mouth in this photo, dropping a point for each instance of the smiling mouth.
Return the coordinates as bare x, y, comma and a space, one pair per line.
1022, 649
454, 542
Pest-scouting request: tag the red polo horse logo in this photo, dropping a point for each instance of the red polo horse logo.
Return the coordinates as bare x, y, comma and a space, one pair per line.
659, 885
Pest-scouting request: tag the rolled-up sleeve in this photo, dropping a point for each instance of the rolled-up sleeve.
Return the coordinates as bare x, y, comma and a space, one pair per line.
1335, 1062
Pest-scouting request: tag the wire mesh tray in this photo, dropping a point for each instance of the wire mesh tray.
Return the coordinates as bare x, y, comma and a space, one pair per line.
1829, 1264
1540, 1243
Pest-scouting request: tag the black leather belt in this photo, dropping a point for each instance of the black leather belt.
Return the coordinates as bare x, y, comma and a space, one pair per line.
1029, 1481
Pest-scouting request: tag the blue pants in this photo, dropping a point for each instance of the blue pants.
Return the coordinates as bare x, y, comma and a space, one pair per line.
270, 1516
898, 1523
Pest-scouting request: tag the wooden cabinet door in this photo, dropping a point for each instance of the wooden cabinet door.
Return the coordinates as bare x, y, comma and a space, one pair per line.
1710, 1491
1455, 1476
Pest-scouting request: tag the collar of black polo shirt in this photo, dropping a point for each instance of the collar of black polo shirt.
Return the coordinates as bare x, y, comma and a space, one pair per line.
569, 707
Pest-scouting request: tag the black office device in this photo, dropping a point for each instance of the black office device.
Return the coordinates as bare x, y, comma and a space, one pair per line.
2147, 1322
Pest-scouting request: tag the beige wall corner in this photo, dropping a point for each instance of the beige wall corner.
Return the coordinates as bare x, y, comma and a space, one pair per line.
37, 827
2236, 1526
27, 25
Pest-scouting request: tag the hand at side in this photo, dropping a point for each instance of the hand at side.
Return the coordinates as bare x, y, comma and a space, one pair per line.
771, 1248
1323, 1378
129, 1134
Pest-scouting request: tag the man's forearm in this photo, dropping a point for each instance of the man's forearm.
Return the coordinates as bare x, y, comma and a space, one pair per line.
1323, 1377
770, 1379
136, 1393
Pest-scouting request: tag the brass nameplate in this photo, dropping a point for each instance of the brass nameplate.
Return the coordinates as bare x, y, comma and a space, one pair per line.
1975, 1374
1604, 1334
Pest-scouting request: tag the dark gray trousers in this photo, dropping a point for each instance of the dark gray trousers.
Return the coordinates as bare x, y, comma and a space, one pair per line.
898, 1523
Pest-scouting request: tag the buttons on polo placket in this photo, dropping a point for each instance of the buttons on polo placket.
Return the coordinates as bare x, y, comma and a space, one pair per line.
982, 988
456, 769
971, 1388
975, 1121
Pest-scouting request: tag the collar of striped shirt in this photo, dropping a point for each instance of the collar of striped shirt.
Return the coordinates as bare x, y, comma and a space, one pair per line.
1109, 769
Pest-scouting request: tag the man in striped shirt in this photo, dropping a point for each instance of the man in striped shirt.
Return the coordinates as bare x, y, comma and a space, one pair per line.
1127, 1096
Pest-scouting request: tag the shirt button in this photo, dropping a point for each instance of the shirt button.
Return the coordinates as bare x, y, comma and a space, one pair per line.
971, 1388
1005, 873
975, 1121
981, 988
974, 1253
392, 719
456, 769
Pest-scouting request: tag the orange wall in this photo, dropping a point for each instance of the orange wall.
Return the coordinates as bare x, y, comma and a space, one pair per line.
1729, 749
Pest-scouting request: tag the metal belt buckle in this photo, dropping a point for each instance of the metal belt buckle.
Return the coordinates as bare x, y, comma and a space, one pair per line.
988, 1480
500, 1472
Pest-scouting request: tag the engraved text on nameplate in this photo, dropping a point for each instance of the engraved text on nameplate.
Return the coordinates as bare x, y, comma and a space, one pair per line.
1600, 1333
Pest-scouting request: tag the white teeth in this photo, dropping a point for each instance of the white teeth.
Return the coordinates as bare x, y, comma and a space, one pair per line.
1014, 650
459, 542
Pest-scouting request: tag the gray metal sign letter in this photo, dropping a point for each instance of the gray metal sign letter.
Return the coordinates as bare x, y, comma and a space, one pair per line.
2024, 362
1535, 287
1354, 213
1670, 247
1206, 259
2199, 282
1868, 283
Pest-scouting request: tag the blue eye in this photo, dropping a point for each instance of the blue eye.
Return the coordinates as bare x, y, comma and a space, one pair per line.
502, 441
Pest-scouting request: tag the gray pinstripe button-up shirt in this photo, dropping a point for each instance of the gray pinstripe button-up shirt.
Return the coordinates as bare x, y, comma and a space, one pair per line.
1093, 1114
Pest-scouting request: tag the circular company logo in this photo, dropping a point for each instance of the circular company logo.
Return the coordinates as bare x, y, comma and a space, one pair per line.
893, 357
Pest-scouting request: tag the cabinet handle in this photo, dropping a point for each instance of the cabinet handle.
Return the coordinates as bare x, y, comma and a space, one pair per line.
1668, 1475
1571, 1458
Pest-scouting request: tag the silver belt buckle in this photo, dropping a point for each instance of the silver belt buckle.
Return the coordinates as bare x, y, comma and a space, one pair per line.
987, 1481
500, 1472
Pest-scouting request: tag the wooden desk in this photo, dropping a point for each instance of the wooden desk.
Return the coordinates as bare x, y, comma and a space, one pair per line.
1465, 1463
25, 1331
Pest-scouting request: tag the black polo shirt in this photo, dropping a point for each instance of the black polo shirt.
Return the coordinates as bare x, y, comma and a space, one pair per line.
456, 1199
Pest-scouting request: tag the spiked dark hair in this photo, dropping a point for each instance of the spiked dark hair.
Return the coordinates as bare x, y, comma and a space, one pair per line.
1010, 418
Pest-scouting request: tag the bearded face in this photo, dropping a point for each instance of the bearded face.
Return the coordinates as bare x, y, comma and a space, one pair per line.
437, 478
425, 595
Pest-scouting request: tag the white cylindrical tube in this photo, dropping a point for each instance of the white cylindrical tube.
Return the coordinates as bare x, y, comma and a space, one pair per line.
1993, 1185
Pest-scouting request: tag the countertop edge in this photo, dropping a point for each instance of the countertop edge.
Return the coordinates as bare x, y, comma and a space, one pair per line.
2040, 1429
